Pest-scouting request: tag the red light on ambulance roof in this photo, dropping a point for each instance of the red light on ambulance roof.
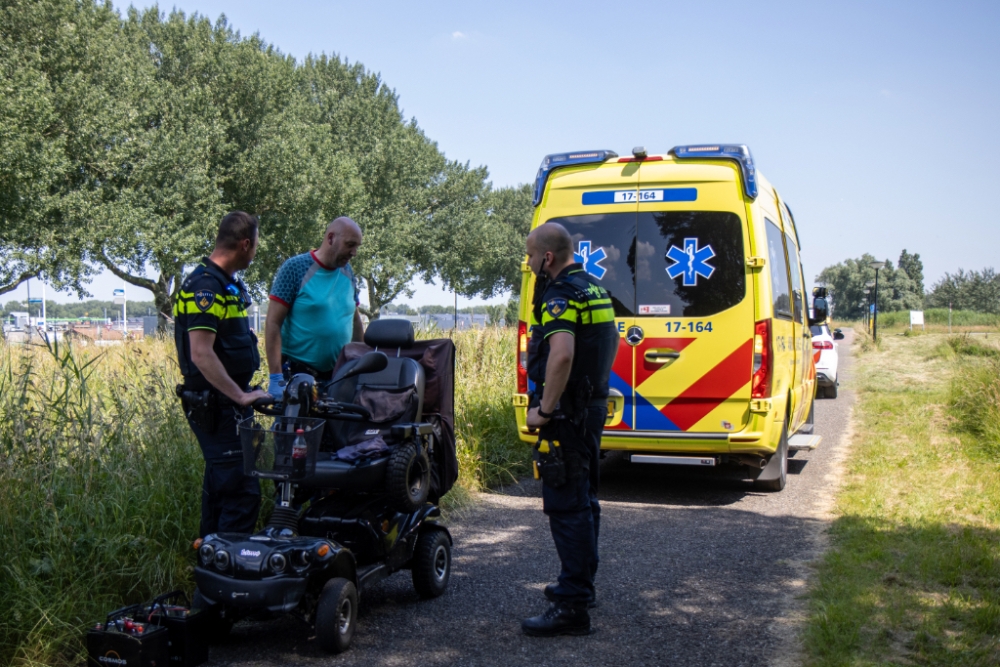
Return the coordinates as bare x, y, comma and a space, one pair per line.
655, 158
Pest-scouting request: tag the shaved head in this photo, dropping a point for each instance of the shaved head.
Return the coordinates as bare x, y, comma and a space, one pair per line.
340, 242
549, 248
553, 237
342, 224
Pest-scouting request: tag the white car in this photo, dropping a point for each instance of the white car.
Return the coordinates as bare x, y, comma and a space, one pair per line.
825, 356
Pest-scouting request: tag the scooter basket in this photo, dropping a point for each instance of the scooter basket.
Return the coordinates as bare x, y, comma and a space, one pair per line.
267, 446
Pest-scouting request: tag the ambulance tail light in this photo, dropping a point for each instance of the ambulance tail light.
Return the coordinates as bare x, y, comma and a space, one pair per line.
760, 383
522, 358
739, 154
558, 160
822, 345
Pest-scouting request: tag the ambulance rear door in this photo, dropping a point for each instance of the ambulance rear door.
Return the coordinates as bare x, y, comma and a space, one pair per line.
693, 348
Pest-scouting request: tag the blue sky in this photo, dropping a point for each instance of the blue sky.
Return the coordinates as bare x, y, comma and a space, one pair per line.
879, 123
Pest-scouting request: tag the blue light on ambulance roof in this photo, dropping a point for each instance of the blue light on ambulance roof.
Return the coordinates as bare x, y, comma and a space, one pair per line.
739, 154
558, 160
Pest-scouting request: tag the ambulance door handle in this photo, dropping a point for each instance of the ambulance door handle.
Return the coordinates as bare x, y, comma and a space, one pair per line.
660, 357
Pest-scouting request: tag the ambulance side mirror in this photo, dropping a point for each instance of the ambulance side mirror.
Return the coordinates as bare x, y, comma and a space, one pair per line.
821, 311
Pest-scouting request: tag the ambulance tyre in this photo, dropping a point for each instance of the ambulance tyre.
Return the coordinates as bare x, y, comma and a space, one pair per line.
775, 473
408, 478
336, 615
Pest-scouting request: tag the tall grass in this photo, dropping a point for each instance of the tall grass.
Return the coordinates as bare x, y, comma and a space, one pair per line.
100, 479
99, 490
489, 450
974, 392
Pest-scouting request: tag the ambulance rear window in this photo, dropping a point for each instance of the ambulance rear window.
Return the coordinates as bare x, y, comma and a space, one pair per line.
663, 264
602, 244
689, 263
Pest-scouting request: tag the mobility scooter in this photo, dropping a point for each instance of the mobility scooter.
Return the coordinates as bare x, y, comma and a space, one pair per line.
358, 463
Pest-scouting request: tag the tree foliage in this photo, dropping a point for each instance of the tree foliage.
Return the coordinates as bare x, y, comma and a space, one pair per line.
850, 294
125, 140
967, 290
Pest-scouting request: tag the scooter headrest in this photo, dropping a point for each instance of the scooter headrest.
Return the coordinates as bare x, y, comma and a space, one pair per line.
389, 333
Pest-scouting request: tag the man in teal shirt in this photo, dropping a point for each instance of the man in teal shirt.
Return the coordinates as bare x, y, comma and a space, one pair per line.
314, 307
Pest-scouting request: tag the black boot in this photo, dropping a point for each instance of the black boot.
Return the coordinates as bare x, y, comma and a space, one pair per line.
549, 588
562, 618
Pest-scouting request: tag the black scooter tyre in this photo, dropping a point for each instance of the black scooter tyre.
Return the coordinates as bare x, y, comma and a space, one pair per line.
431, 567
408, 478
337, 615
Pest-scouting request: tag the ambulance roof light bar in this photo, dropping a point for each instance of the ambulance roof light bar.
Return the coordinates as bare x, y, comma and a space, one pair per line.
740, 154
559, 160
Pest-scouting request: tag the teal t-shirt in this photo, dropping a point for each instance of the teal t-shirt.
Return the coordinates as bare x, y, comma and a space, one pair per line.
322, 302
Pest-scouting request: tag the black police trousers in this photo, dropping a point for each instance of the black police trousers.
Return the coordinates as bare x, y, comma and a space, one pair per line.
573, 510
230, 501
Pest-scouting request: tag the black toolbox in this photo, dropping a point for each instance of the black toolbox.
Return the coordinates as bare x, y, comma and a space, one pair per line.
126, 639
163, 633
186, 627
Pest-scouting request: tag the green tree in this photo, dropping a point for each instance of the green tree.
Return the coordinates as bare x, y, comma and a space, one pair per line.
914, 269
62, 94
967, 290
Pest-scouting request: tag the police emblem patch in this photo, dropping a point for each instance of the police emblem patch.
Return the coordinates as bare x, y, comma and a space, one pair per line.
556, 307
204, 299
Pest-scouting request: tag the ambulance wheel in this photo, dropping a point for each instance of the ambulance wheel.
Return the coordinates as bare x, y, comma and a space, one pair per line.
775, 474
408, 479
431, 563
217, 622
336, 615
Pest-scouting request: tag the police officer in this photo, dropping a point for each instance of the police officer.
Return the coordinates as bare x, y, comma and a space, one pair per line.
218, 356
573, 345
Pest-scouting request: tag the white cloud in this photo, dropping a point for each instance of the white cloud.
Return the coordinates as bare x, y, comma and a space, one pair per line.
459, 35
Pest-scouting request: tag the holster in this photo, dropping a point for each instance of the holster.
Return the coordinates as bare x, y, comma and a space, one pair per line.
201, 407
549, 461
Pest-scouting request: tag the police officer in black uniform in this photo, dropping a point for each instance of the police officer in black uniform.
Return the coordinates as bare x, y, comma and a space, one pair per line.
573, 344
218, 356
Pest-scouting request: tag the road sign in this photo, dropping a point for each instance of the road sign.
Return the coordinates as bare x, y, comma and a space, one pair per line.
34, 300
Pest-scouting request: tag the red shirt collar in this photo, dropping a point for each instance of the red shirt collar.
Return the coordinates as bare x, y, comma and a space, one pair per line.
316, 259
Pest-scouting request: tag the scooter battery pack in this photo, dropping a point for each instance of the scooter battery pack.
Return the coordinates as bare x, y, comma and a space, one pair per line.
125, 642
187, 628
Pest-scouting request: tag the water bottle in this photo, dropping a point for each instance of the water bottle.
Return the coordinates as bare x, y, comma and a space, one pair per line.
299, 453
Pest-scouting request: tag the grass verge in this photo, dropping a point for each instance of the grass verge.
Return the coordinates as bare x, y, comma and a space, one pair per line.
913, 572
100, 479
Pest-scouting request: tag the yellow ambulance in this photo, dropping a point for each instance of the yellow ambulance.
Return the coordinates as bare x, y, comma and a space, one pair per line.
701, 258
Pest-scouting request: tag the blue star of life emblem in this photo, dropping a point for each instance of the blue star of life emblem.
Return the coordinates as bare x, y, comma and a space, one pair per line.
690, 262
591, 260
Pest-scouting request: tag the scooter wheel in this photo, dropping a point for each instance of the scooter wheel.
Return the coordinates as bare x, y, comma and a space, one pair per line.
408, 478
431, 563
336, 615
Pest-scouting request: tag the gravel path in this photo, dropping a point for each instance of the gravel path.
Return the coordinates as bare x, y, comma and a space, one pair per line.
695, 570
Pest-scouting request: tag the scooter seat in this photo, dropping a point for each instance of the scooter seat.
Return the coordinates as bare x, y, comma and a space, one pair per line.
366, 474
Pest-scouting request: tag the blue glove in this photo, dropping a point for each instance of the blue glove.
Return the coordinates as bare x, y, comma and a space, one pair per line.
276, 385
